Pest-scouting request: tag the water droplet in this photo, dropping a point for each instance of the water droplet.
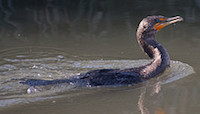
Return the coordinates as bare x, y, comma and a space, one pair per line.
32, 90
34, 66
60, 56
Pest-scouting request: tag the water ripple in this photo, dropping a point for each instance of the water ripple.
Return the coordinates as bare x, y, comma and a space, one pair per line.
43, 63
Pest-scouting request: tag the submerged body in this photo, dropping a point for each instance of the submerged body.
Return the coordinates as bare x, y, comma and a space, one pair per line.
109, 77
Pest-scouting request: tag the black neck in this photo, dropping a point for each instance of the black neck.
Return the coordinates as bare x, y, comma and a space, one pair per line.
158, 54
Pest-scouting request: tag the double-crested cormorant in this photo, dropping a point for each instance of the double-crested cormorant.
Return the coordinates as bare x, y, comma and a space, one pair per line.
146, 31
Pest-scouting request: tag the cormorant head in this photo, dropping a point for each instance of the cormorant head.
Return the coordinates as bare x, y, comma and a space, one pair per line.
152, 24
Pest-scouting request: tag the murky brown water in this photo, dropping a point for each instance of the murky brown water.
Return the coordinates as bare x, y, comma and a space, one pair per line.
50, 39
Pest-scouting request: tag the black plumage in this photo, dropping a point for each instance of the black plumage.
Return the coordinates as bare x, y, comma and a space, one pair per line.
146, 31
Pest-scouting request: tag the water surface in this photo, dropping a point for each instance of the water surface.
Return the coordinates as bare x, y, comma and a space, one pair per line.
55, 39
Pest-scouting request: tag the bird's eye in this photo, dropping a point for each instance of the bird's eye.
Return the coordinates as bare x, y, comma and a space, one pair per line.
158, 20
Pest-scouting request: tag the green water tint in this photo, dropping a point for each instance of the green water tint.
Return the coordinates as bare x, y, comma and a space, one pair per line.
45, 63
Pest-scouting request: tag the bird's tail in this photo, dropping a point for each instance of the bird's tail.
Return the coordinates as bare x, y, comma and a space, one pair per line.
40, 82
